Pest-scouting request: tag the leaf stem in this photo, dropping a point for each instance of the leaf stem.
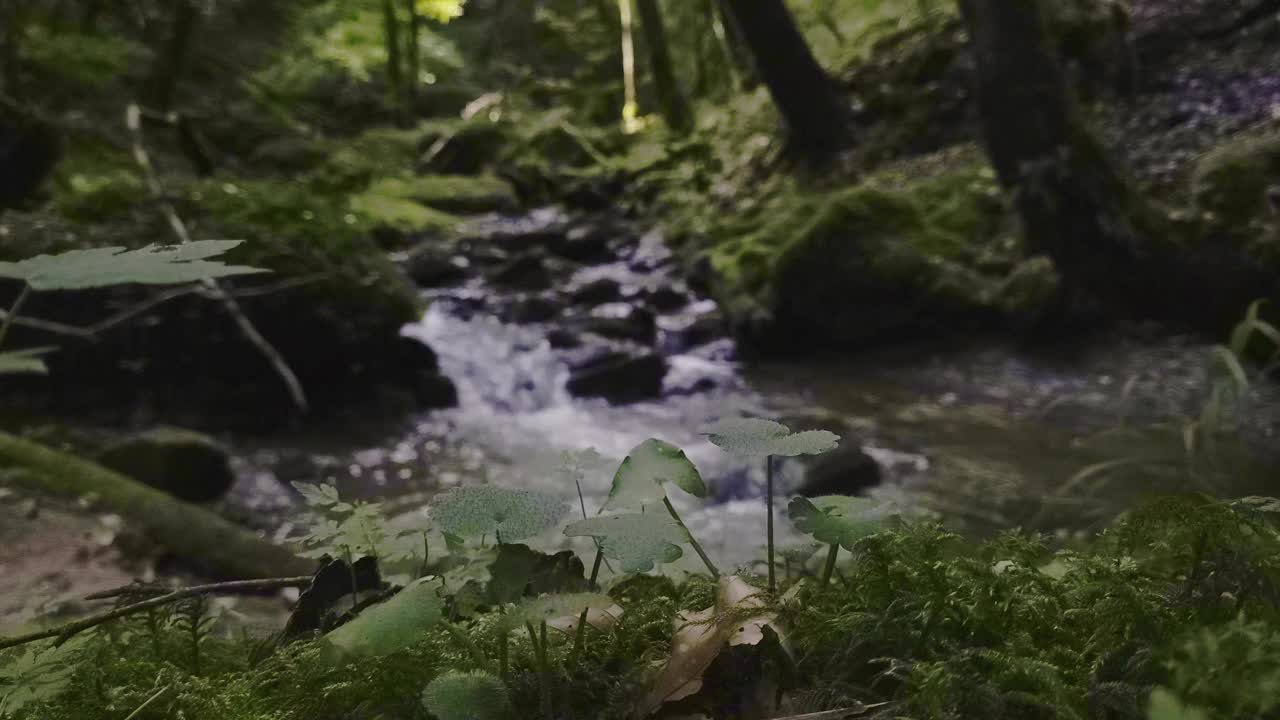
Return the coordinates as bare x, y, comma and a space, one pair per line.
13, 311
546, 671
158, 694
692, 540
831, 563
768, 504
580, 636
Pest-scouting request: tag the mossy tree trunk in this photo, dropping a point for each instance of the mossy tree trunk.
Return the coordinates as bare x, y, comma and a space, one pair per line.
413, 57
188, 531
735, 47
1077, 205
675, 107
808, 100
171, 61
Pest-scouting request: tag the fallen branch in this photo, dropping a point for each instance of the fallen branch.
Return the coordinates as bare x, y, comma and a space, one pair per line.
63, 633
133, 119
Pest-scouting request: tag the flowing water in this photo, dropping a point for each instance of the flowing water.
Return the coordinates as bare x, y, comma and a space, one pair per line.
984, 434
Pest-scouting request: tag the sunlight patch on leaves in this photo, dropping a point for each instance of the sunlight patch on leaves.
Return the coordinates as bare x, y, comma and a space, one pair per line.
467, 696
491, 510
638, 541
757, 438
837, 519
388, 626
151, 265
439, 10
651, 464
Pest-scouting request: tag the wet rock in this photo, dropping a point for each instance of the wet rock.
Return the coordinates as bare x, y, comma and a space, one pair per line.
188, 465
847, 470
432, 268
528, 271
666, 299
430, 389
564, 339
585, 243
623, 322
534, 309
29, 151
694, 332
620, 377
597, 292
699, 275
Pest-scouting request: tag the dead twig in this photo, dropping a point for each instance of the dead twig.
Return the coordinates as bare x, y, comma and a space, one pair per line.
65, 632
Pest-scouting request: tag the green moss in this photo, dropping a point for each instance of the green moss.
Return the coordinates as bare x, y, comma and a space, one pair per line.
1229, 185
926, 237
424, 202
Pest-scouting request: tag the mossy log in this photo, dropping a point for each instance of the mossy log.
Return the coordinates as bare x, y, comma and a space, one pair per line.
190, 532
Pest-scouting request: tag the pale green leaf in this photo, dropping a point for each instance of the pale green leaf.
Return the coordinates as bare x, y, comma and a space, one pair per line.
151, 265
836, 519
317, 496
638, 541
25, 361
506, 514
467, 696
650, 465
549, 607
41, 673
389, 626
757, 438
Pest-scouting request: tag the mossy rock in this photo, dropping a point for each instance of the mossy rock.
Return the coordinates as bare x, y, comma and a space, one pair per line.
425, 203
188, 465
1230, 186
909, 247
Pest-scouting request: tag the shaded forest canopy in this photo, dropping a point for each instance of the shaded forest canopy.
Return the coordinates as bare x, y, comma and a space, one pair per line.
831, 177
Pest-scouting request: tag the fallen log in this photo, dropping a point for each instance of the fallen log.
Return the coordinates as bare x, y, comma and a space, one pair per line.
190, 532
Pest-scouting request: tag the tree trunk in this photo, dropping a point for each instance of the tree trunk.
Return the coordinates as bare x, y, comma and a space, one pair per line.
172, 59
11, 16
413, 59
395, 76
735, 47
810, 104
1076, 204
188, 531
89, 16
675, 107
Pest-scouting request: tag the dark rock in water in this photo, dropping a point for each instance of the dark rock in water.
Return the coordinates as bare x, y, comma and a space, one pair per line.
534, 309
620, 377
389, 238
697, 331
432, 269
29, 150
430, 388
666, 299
585, 243
700, 274
528, 271
597, 292
847, 470
563, 338
624, 322
188, 465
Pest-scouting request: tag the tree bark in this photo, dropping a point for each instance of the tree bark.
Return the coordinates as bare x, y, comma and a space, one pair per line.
172, 58
1076, 204
810, 104
675, 107
395, 74
413, 60
188, 531
737, 53
11, 16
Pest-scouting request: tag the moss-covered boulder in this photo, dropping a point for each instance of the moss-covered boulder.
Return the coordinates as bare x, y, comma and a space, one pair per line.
188, 465
924, 244
1230, 186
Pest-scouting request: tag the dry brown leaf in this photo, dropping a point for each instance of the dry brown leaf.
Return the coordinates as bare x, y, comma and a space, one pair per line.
699, 639
599, 618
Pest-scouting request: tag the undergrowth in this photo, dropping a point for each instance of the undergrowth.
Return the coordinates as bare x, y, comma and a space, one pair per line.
1180, 598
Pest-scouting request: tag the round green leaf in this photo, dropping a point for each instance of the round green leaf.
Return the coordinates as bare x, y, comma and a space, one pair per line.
756, 438
836, 519
388, 626
638, 541
550, 607
467, 696
491, 510
646, 469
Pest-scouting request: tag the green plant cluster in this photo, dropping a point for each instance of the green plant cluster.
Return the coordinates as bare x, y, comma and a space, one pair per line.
1174, 609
